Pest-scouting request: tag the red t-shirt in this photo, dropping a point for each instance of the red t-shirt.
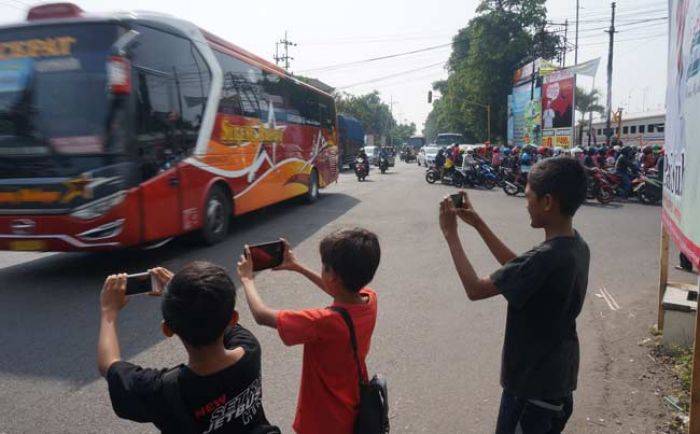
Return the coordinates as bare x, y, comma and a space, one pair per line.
329, 392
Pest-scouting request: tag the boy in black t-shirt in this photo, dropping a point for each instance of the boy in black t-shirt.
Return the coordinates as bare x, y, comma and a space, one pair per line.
219, 389
545, 289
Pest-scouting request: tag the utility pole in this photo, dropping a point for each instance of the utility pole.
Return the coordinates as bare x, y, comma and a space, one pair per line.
608, 108
566, 43
285, 58
578, 8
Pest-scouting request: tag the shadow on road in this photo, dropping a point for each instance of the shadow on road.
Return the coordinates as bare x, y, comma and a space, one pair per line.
49, 312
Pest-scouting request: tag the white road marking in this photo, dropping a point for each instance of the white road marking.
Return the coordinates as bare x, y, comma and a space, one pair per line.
612, 304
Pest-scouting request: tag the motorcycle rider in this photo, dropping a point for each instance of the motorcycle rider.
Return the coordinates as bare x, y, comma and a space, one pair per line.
440, 161
364, 160
625, 168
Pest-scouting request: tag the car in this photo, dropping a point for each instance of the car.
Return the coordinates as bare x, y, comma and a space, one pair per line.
372, 154
420, 157
430, 154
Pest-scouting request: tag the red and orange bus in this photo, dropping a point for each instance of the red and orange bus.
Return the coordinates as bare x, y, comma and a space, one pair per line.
129, 129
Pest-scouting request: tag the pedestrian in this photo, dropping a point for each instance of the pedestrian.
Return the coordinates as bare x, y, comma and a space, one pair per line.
329, 393
219, 389
545, 290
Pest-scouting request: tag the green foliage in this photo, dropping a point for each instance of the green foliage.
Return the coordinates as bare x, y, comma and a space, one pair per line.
402, 132
485, 55
369, 109
588, 101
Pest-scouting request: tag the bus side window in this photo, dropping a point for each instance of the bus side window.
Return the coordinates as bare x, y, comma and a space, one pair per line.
241, 92
172, 83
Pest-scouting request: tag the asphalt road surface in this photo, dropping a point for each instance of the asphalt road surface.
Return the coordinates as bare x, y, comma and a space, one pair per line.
440, 352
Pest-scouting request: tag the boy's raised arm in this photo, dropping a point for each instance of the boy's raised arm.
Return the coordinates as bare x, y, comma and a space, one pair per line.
475, 287
497, 247
290, 263
262, 314
112, 300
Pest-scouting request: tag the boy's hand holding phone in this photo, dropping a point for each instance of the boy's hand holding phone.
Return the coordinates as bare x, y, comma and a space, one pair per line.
289, 261
466, 211
113, 297
245, 266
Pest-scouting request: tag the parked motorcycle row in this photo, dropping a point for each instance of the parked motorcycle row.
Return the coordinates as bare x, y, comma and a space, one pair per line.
606, 181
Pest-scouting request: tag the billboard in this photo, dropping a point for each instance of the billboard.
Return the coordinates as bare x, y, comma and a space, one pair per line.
527, 115
681, 203
557, 109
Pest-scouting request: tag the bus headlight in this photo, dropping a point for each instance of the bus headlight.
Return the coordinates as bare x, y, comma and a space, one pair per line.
99, 207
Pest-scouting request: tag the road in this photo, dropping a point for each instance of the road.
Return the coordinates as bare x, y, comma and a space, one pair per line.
440, 352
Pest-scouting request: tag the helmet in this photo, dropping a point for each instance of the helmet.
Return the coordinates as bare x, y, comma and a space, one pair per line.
542, 150
617, 148
496, 150
657, 148
506, 151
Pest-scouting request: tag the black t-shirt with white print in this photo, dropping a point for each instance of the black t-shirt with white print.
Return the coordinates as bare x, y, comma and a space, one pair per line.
229, 401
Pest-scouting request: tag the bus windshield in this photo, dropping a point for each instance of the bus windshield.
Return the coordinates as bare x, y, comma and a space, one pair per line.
53, 96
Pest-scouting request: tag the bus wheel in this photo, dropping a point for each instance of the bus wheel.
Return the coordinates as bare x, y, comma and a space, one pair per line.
312, 194
217, 215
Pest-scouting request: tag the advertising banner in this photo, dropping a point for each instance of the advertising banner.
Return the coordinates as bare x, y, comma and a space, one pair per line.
681, 204
557, 109
527, 115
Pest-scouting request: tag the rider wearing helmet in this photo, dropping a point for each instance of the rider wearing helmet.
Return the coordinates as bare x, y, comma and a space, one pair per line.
625, 168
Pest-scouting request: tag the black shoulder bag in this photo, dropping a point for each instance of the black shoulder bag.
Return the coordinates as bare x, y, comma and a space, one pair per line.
373, 414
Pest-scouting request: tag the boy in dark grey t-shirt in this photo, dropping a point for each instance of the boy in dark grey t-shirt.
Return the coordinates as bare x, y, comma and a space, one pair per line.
545, 289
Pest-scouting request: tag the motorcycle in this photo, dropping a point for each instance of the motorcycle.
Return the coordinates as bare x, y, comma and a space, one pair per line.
648, 189
516, 184
454, 177
383, 164
599, 188
361, 169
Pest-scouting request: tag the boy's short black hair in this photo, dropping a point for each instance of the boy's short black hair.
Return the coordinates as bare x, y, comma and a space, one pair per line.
199, 302
353, 254
564, 178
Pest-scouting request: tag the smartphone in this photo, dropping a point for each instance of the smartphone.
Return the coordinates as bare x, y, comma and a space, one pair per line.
140, 283
457, 200
268, 255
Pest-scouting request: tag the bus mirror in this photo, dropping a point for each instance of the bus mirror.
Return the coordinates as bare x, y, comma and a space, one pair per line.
430, 97
121, 46
119, 75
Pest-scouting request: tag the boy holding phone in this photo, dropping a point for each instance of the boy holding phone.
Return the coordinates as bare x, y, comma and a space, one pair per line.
329, 393
219, 389
545, 290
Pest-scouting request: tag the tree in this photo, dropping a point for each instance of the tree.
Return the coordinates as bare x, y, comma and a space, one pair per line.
402, 132
485, 54
586, 102
370, 110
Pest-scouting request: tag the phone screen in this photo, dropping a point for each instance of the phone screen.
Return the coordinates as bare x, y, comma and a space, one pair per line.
457, 200
139, 283
268, 255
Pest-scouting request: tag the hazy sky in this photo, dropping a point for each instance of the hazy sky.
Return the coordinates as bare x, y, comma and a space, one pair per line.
331, 33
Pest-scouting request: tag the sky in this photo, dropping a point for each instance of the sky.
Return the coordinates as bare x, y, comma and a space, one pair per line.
331, 34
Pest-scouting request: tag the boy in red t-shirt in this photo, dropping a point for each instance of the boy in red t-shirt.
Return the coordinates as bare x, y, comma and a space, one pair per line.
329, 392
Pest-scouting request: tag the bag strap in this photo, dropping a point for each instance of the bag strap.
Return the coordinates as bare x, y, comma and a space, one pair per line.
353, 340
173, 397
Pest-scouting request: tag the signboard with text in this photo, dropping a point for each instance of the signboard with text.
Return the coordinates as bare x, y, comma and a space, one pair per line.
681, 203
557, 109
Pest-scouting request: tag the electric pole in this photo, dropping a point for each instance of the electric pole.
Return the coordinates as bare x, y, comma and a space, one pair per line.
284, 58
566, 42
608, 108
578, 8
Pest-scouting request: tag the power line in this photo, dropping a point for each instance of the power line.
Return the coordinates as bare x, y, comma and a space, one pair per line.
396, 74
375, 59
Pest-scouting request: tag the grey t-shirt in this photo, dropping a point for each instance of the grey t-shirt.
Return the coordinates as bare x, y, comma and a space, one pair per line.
545, 288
